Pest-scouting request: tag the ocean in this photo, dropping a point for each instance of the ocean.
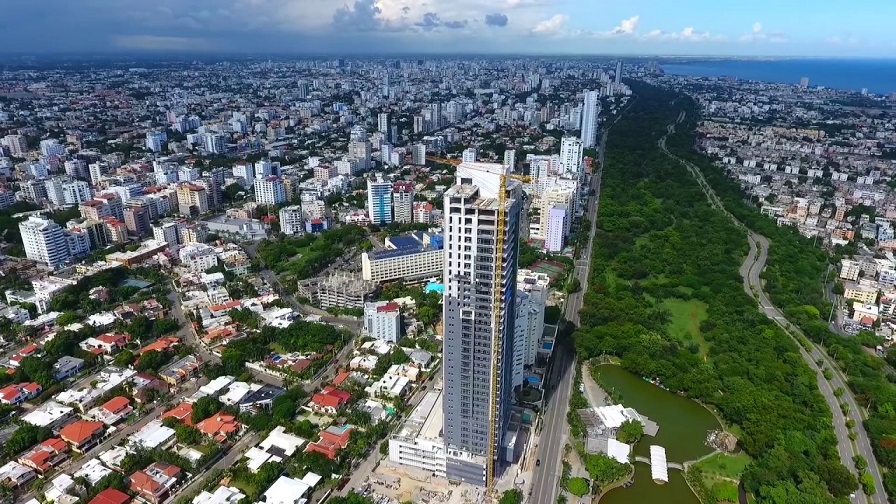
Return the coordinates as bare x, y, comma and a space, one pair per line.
879, 76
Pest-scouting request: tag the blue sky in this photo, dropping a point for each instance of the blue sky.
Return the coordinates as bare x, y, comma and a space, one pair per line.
665, 27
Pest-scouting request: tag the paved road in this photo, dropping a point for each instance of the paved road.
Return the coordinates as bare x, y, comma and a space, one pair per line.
546, 476
750, 270
228, 460
553, 429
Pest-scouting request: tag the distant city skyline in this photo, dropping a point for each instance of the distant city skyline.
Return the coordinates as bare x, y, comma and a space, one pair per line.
639, 27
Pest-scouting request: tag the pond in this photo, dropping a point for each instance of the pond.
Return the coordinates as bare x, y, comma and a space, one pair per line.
644, 490
683, 425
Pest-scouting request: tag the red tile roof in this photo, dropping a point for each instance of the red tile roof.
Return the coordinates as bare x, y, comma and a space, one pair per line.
111, 496
182, 412
219, 426
116, 404
80, 431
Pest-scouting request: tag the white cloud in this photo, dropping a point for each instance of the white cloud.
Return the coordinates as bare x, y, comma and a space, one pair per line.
757, 35
626, 26
552, 26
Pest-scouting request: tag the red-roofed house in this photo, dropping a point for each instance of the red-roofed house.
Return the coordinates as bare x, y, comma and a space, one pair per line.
161, 344
332, 439
109, 343
183, 412
113, 410
46, 455
111, 496
219, 426
330, 400
82, 435
18, 393
30, 350
155, 482
222, 309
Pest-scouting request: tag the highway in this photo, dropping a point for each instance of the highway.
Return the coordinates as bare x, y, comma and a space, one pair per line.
750, 271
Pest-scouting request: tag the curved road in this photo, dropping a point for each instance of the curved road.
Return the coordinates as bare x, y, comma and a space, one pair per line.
751, 269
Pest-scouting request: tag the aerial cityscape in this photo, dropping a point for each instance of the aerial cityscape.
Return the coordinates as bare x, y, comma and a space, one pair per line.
350, 274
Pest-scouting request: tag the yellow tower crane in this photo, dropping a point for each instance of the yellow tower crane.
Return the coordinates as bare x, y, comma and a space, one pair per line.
496, 326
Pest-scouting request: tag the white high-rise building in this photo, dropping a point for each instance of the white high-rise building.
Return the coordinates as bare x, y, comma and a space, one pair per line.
17, 145
44, 241
557, 225
590, 112
403, 202
360, 151
379, 201
292, 222
62, 191
38, 170
479, 318
469, 155
618, 76
97, 170
246, 172
169, 232
51, 147
270, 191
263, 168
214, 143
510, 158
382, 123
571, 150
418, 154
154, 140
165, 173
386, 151
382, 320
76, 168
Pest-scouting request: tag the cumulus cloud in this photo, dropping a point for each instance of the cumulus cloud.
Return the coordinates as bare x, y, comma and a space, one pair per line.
496, 19
688, 34
626, 26
552, 26
363, 15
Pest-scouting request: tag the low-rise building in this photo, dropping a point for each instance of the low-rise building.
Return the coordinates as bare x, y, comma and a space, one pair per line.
332, 439
382, 320
46, 455
419, 442
329, 400
412, 257
18, 393
83, 435
155, 482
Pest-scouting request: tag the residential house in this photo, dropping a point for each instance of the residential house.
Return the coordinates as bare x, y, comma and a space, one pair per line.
183, 413
108, 343
112, 411
50, 414
178, 372
82, 435
260, 399
15, 475
161, 345
329, 400
46, 455
155, 482
146, 387
18, 393
67, 367
111, 496
275, 448
220, 427
332, 439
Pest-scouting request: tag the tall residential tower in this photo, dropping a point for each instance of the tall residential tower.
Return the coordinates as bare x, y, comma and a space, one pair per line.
590, 111
482, 230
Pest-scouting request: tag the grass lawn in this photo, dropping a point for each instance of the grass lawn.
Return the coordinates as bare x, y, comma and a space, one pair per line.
725, 466
244, 486
276, 348
686, 319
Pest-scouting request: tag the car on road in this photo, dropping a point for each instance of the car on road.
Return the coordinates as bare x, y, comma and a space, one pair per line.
537, 462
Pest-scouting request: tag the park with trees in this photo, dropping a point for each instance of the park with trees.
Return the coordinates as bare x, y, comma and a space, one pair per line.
658, 239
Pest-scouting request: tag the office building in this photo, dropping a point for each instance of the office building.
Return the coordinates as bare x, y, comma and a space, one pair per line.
382, 320
571, 150
416, 256
292, 221
590, 112
379, 201
44, 241
618, 76
403, 202
469, 155
270, 191
481, 241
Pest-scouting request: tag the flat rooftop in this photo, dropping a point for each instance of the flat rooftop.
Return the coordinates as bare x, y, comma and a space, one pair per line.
426, 419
